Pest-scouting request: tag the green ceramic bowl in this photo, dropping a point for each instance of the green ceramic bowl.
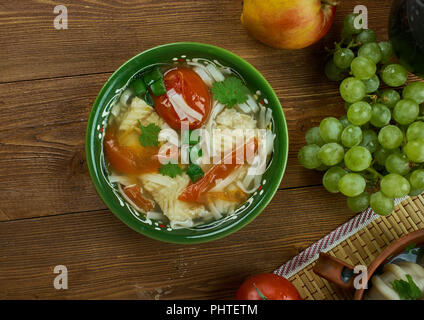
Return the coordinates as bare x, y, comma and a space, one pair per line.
157, 230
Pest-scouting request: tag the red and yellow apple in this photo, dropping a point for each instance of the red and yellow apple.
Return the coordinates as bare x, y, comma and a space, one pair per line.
288, 24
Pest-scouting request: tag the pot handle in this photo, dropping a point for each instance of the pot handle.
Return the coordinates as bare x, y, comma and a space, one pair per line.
334, 270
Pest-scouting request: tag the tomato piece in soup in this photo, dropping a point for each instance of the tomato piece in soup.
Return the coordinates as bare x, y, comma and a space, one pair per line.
134, 194
194, 91
129, 160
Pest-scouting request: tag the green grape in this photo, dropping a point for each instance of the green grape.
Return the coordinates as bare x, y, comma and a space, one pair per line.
366, 36
358, 158
371, 84
390, 137
382, 154
363, 67
381, 204
389, 97
370, 140
415, 131
330, 129
406, 111
386, 51
346, 36
352, 90
395, 186
314, 137
398, 163
381, 115
349, 24
332, 72
343, 58
322, 168
352, 184
308, 156
414, 91
346, 106
341, 164
394, 75
331, 154
417, 179
359, 113
344, 121
331, 179
359, 203
414, 150
371, 50
351, 136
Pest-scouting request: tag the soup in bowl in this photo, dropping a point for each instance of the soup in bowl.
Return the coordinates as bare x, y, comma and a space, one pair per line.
186, 143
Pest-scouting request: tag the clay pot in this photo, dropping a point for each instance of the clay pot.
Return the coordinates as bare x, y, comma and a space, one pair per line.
342, 275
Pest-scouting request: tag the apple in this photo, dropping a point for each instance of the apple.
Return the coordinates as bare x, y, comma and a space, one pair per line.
288, 24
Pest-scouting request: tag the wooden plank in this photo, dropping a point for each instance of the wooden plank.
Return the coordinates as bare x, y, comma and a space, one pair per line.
43, 168
105, 259
3, 216
42, 162
42, 136
101, 35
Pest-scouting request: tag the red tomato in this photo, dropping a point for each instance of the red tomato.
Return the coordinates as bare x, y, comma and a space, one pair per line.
134, 193
267, 286
129, 160
194, 91
195, 191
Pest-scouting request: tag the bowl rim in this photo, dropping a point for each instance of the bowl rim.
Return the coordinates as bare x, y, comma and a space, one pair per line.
254, 211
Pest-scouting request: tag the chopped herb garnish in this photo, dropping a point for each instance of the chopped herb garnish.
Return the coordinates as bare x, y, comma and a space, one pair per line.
410, 247
149, 99
194, 172
231, 91
197, 155
407, 290
138, 87
170, 169
190, 137
149, 135
158, 87
152, 75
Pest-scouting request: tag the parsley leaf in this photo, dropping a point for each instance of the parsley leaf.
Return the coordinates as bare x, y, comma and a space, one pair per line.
170, 169
149, 135
410, 247
407, 290
231, 91
194, 172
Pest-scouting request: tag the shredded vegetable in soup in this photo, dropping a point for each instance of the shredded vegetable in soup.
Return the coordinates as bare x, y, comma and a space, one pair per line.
188, 142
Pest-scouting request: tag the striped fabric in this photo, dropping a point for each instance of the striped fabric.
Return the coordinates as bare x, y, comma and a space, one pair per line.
327, 243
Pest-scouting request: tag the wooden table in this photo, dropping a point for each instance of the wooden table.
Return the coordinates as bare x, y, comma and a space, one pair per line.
50, 213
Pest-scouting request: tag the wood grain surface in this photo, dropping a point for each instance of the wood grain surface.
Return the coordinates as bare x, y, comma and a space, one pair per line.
105, 259
50, 213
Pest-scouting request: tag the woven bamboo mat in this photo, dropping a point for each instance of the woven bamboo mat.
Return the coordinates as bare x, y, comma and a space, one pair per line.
362, 247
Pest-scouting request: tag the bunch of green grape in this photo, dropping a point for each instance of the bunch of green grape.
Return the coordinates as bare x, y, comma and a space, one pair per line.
375, 153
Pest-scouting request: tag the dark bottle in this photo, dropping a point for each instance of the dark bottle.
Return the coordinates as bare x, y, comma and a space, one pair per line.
406, 31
